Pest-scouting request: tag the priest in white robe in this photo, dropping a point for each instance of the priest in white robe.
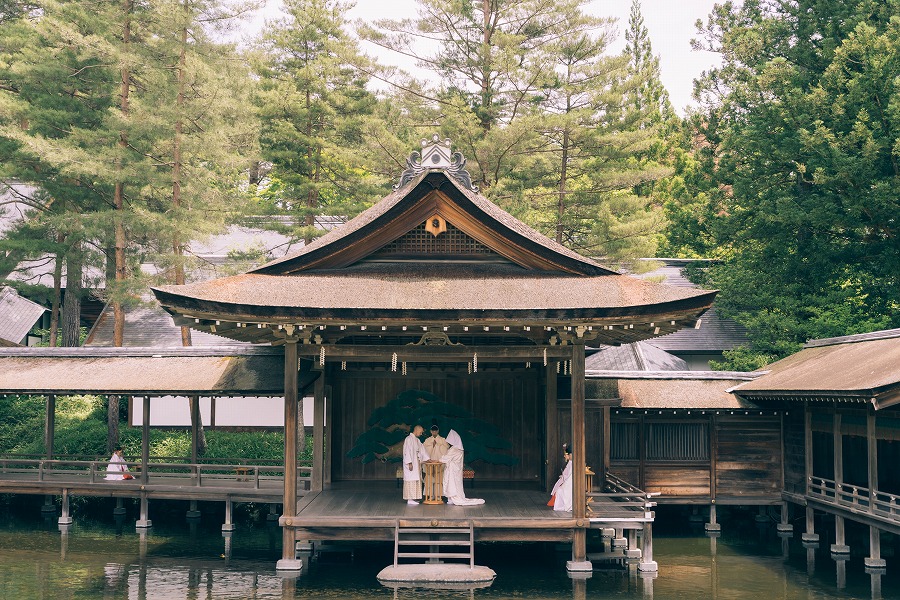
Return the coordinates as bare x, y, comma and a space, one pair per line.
435, 445
414, 455
453, 473
563, 488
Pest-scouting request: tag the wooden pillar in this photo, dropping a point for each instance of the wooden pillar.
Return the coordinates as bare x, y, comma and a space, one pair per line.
195, 428
579, 560
65, 518
874, 560
605, 416
145, 441
873, 457
144, 521
228, 525
552, 448
329, 435
810, 535
289, 560
49, 425
647, 564
839, 546
713, 525
318, 466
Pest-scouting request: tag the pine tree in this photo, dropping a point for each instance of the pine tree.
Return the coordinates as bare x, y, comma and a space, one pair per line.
648, 95
313, 105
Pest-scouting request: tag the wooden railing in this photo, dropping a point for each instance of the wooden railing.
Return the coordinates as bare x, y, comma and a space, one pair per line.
620, 499
235, 474
856, 497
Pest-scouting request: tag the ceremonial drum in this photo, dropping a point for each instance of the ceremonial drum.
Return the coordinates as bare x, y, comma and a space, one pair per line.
434, 482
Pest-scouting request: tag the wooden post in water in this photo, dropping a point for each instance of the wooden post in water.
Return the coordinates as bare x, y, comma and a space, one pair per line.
228, 525
874, 560
65, 518
839, 546
193, 512
579, 560
647, 564
144, 521
289, 560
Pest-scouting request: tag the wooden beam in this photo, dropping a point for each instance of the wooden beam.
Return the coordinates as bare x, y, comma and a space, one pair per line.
552, 448
318, 466
579, 505
713, 455
413, 353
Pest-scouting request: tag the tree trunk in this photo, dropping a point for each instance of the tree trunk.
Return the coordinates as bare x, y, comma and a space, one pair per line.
563, 173
71, 313
57, 294
121, 272
177, 243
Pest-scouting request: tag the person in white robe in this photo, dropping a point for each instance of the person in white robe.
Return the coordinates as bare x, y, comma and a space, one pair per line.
563, 488
453, 473
117, 468
435, 445
414, 455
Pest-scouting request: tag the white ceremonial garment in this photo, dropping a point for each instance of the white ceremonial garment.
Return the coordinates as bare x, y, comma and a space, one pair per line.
453, 473
413, 452
116, 467
436, 447
563, 489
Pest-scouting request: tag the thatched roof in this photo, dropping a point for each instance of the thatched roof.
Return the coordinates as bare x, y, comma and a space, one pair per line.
223, 371
865, 366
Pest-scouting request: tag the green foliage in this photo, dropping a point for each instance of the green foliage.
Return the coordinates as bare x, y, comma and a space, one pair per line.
390, 425
741, 358
81, 429
798, 169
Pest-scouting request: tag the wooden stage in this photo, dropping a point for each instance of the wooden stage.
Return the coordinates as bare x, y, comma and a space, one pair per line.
375, 512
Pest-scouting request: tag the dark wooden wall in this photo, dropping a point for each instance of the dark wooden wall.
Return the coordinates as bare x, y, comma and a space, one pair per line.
739, 456
511, 400
593, 435
794, 453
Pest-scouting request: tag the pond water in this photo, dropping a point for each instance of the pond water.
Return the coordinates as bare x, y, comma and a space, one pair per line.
100, 557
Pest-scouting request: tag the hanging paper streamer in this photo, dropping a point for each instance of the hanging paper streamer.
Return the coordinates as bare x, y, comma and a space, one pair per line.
394, 362
343, 365
475, 363
322, 357
404, 367
557, 368
545, 357
528, 365
468, 364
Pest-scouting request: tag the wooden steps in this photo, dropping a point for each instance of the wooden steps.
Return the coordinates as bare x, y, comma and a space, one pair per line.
436, 543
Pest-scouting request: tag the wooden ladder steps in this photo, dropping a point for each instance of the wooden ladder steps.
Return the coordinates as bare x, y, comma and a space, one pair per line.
436, 539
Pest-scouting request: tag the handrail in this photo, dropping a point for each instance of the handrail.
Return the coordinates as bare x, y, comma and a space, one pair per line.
97, 470
100, 457
880, 503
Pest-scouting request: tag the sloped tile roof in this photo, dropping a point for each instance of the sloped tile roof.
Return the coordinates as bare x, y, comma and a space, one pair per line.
147, 326
637, 356
854, 365
18, 315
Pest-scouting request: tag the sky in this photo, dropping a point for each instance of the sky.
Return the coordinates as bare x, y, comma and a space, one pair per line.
669, 22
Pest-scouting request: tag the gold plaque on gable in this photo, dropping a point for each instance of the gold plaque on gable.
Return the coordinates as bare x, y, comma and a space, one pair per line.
435, 225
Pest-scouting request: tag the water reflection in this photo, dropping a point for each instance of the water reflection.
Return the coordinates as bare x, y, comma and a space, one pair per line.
197, 560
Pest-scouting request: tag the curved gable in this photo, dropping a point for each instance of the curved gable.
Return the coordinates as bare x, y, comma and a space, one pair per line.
435, 195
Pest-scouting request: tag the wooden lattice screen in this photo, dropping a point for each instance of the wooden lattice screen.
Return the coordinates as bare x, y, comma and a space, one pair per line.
419, 242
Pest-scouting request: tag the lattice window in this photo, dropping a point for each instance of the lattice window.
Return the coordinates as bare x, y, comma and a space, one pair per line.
419, 242
624, 441
677, 441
